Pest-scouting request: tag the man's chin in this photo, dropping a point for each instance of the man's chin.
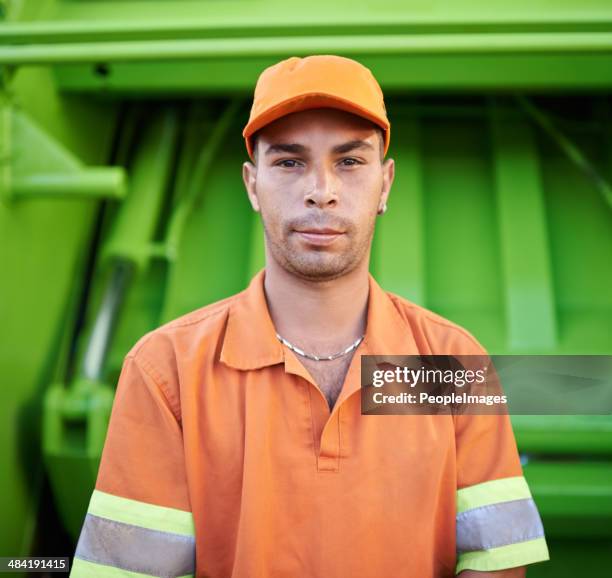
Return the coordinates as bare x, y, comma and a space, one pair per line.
320, 269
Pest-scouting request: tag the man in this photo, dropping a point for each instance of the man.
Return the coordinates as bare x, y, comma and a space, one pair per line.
233, 442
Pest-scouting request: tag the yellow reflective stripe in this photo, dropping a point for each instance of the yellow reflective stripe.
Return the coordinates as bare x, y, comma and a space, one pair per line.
509, 556
492, 492
141, 514
84, 569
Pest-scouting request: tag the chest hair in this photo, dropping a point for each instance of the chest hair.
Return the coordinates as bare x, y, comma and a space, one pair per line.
329, 375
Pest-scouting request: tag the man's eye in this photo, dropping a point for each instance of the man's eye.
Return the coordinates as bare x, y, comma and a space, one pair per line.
349, 162
288, 163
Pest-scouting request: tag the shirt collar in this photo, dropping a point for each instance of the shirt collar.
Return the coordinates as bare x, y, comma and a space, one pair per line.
250, 340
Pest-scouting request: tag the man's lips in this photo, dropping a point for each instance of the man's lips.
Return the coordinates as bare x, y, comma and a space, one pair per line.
319, 236
324, 231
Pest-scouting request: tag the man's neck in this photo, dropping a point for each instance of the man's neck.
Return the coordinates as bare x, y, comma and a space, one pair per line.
319, 317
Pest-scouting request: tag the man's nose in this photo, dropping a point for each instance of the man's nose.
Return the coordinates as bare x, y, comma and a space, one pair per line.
323, 188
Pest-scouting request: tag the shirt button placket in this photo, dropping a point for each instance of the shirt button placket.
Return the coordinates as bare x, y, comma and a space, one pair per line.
328, 459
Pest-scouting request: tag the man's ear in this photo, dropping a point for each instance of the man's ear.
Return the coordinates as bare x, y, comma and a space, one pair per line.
249, 176
388, 176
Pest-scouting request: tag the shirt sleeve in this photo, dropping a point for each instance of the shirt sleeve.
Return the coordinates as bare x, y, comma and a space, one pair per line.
498, 524
139, 520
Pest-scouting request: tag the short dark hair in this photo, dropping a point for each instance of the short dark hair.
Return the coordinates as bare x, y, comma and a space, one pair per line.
379, 130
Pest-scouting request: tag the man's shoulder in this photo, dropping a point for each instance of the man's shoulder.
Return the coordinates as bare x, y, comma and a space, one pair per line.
441, 335
187, 331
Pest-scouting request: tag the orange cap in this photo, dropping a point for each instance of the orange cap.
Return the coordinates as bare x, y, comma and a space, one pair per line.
321, 81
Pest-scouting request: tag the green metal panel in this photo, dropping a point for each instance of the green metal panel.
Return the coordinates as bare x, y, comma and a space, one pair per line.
186, 45
44, 246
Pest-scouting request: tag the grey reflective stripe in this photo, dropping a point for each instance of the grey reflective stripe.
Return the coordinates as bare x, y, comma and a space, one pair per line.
497, 525
136, 549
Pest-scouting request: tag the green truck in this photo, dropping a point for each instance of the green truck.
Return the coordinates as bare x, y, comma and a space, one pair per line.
122, 207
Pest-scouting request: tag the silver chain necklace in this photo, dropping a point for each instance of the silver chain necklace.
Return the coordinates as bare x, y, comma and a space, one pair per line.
320, 357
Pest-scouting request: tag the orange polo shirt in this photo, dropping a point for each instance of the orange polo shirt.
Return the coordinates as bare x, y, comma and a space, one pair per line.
222, 459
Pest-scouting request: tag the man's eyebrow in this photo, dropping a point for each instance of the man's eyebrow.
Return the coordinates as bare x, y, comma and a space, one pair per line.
296, 148
351, 146
286, 148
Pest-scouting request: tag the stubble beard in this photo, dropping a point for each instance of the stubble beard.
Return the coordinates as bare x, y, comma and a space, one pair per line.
318, 264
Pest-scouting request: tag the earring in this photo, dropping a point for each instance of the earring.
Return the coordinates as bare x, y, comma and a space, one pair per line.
383, 210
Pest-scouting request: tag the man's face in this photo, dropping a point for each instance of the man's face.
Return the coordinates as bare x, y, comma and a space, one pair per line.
319, 181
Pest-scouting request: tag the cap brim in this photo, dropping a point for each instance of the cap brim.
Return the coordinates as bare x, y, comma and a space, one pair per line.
310, 101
